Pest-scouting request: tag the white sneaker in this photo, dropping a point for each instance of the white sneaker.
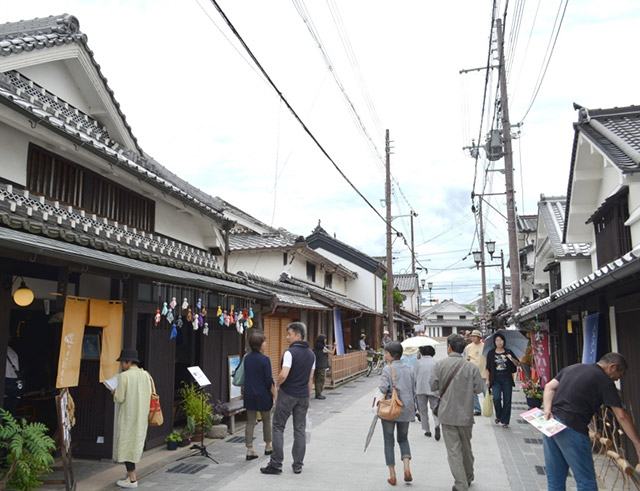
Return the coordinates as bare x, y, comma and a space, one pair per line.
126, 483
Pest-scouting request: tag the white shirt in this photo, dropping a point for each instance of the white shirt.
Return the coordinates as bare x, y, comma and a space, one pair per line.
287, 360
9, 370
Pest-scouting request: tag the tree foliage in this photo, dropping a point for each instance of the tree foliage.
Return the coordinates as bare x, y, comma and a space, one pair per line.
28, 451
398, 297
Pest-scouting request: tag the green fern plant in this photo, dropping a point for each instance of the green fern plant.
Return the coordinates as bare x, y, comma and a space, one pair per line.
28, 451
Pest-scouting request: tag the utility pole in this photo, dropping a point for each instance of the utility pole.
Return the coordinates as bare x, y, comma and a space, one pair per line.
387, 199
413, 251
504, 283
483, 274
514, 261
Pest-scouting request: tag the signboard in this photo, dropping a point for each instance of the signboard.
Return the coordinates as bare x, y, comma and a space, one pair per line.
199, 376
233, 361
590, 346
337, 331
540, 344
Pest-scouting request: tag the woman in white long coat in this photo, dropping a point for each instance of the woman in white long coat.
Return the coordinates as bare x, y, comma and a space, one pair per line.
133, 397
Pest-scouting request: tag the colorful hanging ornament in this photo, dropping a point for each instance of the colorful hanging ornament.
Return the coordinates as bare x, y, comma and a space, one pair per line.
165, 309
199, 304
227, 319
174, 332
219, 311
173, 303
250, 313
250, 323
239, 327
194, 324
179, 322
200, 320
205, 329
245, 314
170, 316
189, 315
204, 311
221, 318
157, 318
185, 304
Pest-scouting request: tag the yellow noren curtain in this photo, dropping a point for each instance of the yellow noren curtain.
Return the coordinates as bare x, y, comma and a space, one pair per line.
75, 318
111, 325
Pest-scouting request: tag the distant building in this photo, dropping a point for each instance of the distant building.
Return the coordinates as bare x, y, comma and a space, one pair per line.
447, 317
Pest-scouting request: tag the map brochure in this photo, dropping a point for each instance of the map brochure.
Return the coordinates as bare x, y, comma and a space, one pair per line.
548, 427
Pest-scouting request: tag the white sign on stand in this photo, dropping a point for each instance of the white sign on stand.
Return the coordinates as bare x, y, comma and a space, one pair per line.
199, 376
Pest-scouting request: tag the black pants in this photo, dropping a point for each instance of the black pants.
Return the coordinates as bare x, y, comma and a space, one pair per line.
131, 467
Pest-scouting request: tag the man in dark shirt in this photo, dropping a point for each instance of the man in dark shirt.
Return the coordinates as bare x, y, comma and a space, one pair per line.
573, 397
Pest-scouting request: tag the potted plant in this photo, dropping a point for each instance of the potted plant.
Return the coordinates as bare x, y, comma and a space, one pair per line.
217, 430
533, 393
173, 440
197, 408
28, 453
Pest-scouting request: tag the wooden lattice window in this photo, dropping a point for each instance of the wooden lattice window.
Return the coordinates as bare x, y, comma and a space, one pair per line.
613, 237
60, 179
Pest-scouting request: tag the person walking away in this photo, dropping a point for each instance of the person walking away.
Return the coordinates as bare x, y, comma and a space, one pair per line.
573, 397
457, 380
321, 351
385, 338
501, 365
398, 375
473, 353
259, 391
363, 342
133, 398
425, 396
294, 382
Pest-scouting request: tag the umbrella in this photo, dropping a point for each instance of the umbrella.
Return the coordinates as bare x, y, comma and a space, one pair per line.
417, 341
372, 429
515, 341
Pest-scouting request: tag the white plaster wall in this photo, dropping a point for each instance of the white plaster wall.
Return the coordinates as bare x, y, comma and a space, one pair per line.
634, 208
611, 180
365, 289
267, 264
574, 269
55, 77
187, 226
13, 154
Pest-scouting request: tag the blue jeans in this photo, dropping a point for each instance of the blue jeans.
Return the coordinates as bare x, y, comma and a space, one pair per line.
476, 404
403, 440
502, 390
569, 449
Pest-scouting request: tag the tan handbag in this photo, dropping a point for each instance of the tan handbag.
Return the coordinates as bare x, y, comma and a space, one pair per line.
155, 409
390, 409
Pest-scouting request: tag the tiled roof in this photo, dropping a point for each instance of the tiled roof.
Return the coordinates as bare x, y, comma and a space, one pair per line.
285, 294
37, 215
527, 223
405, 282
326, 296
616, 132
551, 211
252, 241
621, 267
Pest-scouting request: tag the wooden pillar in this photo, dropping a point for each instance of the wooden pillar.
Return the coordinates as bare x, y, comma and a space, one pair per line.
129, 295
5, 314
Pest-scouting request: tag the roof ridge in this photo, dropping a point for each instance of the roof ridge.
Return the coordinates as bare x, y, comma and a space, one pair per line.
62, 24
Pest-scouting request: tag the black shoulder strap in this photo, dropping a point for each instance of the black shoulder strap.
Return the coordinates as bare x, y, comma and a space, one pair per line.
453, 375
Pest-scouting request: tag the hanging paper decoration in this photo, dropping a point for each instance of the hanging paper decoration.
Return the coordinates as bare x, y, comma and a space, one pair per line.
173, 303
200, 320
250, 323
157, 318
250, 313
185, 304
189, 315
170, 316
199, 304
205, 329
227, 319
174, 332
179, 322
165, 309
219, 311
194, 324
221, 318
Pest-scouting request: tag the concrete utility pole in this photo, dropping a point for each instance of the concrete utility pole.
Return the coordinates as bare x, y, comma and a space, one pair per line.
483, 273
514, 256
387, 199
413, 251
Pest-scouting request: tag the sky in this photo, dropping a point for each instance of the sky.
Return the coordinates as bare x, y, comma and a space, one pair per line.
200, 107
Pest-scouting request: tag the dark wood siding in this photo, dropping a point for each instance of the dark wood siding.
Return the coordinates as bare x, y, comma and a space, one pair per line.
60, 179
613, 238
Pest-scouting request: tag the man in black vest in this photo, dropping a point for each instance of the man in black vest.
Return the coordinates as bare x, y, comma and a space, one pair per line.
294, 382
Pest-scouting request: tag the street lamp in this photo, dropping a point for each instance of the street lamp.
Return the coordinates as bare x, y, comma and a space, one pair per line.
422, 282
477, 257
491, 247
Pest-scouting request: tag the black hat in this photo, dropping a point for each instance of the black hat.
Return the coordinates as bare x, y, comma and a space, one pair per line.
129, 355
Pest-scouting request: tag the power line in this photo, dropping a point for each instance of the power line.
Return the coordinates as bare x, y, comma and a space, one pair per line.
548, 58
292, 110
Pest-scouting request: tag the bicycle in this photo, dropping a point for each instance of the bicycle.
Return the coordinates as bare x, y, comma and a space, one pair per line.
375, 362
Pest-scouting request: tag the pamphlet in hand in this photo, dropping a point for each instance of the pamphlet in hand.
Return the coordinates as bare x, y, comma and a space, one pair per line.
548, 427
111, 383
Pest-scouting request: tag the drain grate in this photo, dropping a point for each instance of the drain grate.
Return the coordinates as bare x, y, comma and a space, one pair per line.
235, 439
534, 441
187, 468
540, 469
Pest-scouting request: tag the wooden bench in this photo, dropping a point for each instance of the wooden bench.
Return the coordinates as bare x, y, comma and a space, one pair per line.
230, 410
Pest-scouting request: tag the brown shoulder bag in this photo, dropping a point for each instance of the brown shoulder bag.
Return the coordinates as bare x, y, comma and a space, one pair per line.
390, 409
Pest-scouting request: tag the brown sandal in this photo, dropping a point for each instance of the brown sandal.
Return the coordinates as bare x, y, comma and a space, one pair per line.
392, 481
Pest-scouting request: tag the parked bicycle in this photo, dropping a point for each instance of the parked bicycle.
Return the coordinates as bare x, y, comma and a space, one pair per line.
375, 362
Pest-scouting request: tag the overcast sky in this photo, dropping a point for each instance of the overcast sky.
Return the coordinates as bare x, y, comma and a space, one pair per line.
200, 108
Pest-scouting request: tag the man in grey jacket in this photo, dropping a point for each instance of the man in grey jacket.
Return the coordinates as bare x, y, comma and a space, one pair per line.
458, 381
425, 397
